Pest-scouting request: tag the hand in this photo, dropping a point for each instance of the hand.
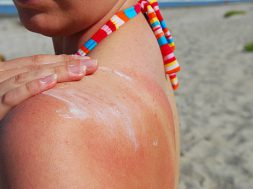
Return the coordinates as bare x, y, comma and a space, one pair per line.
25, 77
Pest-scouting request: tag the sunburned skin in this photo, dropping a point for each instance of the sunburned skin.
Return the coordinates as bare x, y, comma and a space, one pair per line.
126, 144
116, 129
77, 111
76, 106
116, 72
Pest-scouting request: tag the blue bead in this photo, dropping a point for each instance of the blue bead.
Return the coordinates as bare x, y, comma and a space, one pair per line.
155, 24
162, 40
163, 23
91, 44
130, 12
170, 40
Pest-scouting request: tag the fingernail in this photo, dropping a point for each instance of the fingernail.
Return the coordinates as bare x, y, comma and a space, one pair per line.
90, 64
78, 57
48, 79
76, 69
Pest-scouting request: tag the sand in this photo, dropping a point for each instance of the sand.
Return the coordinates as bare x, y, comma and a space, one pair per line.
215, 100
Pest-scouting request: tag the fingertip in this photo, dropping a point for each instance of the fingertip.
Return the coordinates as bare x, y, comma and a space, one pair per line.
84, 68
48, 81
92, 66
78, 57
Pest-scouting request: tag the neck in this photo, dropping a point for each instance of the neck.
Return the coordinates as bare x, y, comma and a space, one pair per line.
133, 49
70, 44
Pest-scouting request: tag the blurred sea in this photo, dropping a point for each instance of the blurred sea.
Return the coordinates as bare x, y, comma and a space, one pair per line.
7, 6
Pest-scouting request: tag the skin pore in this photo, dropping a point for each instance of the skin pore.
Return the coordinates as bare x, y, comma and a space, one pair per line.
123, 118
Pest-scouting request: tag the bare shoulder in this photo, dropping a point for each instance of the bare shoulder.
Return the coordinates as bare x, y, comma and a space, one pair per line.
107, 132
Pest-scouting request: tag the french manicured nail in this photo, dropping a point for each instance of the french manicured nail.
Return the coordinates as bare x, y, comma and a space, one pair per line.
76, 69
90, 64
48, 79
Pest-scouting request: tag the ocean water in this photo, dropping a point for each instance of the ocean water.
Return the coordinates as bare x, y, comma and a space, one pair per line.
185, 3
7, 7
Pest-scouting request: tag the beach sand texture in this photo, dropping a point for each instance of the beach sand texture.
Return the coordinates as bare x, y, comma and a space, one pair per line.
215, 99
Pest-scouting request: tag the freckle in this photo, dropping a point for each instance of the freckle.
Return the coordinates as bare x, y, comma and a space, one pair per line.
67, 142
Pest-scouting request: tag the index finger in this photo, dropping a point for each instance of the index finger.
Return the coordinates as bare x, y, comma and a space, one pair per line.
36, 60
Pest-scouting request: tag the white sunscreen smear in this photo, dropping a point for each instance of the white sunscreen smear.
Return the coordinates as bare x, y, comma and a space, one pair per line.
116, 72
111, 116
75, 110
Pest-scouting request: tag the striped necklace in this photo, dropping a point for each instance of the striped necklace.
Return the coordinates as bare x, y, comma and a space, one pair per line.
150, 9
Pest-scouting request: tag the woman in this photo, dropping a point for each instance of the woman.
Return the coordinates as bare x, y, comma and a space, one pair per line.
115, 129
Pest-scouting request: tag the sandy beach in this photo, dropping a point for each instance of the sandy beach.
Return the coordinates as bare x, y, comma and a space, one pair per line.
215, 99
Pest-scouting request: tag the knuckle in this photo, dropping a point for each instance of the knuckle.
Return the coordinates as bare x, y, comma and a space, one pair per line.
39, 57
33, 67
36, 59
61, 72
66, 58
57, 70
32, 88
19, 78
72, 62
8, 99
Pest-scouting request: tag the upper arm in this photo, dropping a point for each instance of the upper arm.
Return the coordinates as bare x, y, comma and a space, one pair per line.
121, 139
41, 150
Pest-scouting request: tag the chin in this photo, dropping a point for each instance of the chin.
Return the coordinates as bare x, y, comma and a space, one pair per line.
44, 24
42, 29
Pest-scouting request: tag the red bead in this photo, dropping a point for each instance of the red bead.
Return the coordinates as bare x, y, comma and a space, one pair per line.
111, 25
99, 36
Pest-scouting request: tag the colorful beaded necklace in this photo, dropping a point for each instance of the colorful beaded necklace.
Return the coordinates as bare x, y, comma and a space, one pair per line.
150, 9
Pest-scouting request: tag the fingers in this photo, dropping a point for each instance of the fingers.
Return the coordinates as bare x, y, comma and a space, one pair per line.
89, 63
22, 86
72, 71
17, 95
26, 77
33, 62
